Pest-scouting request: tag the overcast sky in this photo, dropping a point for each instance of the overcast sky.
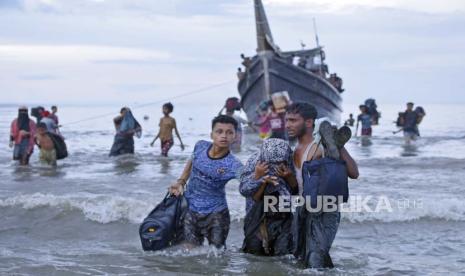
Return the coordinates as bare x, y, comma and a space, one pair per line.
133, 52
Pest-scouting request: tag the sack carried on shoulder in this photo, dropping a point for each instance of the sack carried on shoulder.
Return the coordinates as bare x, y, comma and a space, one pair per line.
325, 177
60, 146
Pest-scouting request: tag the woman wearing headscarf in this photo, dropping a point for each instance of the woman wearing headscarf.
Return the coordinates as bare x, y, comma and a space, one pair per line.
269, 172
22, 136
126, 127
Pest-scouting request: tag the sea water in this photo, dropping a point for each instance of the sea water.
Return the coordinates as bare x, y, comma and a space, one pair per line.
82, 217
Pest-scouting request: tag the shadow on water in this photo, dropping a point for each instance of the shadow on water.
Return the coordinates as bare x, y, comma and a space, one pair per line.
365, 141
365, 144
409, 150
126, 164
29, 172
50, 171
22, 173
165, 165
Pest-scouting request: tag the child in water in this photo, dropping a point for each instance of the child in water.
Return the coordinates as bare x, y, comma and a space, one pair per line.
167, 124
47, 153
206, 174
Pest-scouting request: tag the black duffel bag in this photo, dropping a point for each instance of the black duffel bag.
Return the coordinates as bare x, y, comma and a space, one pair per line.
163, 227
60, 145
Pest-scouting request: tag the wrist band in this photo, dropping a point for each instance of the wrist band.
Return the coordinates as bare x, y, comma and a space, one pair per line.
184, 181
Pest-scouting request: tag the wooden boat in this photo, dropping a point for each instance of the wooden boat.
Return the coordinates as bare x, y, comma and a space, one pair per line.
303, 74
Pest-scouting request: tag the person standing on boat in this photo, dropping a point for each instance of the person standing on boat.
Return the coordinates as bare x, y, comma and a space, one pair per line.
240, 74
126, 127
22, 133
315, 235
246, 61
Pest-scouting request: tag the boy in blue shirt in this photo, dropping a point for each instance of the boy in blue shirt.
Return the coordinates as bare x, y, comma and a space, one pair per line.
207, 172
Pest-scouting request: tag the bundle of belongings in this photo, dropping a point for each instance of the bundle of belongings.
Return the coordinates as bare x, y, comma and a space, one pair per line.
372, 110
315, 230
233, 103
163, 227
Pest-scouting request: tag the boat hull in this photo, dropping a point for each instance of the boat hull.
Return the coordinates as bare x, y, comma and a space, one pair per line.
269, 74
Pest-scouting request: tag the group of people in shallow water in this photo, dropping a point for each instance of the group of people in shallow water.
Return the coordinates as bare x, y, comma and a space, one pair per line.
274, 171
407, 121
127, 127
25, 134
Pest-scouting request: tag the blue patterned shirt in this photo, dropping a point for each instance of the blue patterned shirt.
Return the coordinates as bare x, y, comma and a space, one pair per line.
206, 187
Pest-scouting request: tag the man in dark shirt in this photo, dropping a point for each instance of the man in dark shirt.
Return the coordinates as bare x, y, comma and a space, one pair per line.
350, 122
410, 123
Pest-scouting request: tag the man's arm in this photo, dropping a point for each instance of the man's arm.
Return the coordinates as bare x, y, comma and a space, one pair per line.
178, 187
351, 165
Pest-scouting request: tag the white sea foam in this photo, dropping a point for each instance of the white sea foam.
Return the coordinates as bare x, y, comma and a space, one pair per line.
452, 209
98, 208
108, 208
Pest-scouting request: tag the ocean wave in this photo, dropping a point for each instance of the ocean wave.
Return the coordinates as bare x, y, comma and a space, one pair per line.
450, 209
423, 162
105, 209
98, 208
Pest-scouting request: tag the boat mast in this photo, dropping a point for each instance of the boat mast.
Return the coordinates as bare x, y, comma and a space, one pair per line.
264, 38
318, 46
